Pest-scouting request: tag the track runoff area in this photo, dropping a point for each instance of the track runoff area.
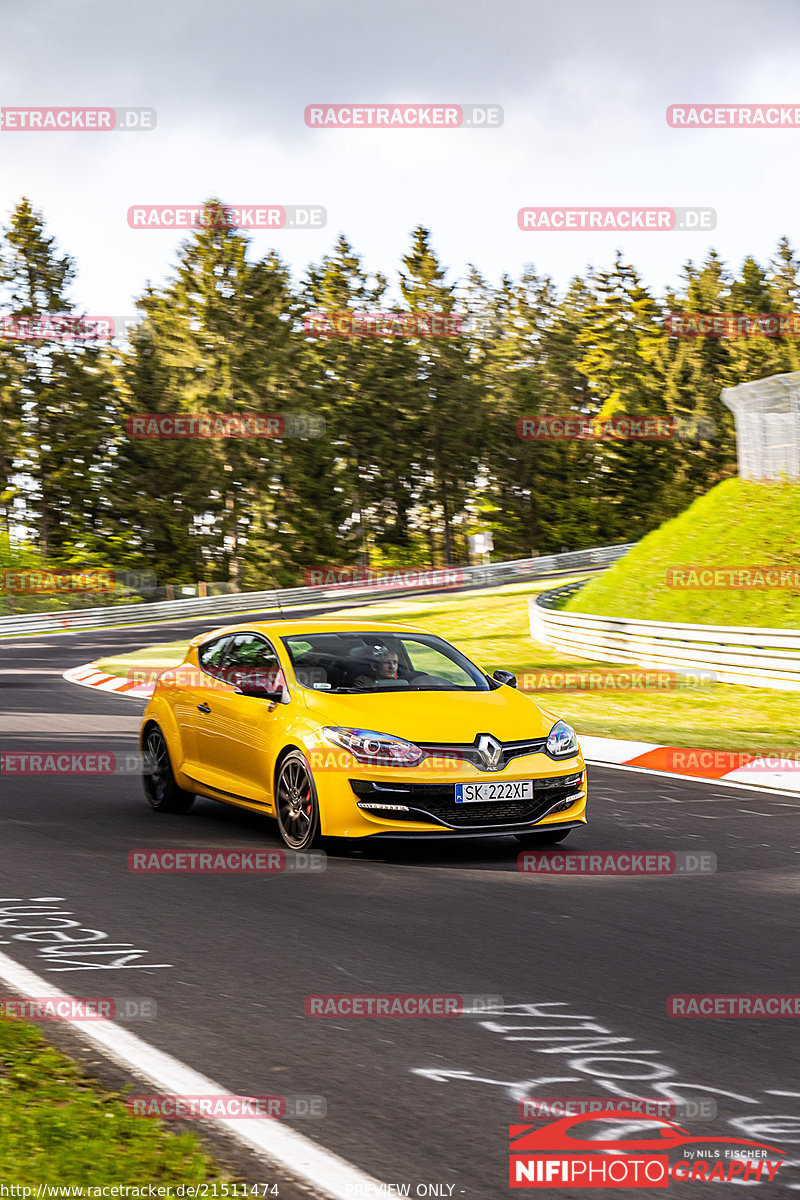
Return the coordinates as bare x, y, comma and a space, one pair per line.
395, 1009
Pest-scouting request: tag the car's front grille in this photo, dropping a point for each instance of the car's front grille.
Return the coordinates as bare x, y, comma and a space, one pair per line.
436, 802
471, 754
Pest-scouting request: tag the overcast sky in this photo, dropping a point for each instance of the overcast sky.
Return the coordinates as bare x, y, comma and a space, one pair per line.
584, 85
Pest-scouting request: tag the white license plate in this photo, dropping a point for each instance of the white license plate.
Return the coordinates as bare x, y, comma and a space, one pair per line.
472, 793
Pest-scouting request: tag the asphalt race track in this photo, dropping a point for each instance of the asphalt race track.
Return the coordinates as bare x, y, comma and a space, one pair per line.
416, 1101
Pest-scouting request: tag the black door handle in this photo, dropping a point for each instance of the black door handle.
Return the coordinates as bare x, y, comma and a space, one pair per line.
203, 708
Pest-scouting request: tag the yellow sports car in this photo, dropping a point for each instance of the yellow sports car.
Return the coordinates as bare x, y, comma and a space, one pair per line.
358, 729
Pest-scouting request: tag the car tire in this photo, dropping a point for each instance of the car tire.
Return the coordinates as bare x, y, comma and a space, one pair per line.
297, 803
542, 839
160, 788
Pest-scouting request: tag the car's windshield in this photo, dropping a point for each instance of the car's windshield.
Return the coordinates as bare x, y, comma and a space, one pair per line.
380, 662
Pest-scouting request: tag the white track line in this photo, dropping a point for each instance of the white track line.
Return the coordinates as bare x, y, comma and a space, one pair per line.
723, 782
302, 1158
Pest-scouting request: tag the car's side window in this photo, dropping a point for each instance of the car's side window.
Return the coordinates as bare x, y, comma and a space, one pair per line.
429, 661
251, 659
212, 655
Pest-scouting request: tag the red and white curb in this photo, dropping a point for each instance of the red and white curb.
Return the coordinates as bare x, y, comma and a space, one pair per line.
89, 676
719, 766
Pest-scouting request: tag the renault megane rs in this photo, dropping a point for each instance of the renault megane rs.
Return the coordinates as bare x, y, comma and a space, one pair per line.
357, 730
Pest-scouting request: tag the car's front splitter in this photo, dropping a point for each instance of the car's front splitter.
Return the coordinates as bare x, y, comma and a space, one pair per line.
485, 832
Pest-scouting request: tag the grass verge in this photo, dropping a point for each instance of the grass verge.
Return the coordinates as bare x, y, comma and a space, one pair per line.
59, 1127
737, 524
157, 658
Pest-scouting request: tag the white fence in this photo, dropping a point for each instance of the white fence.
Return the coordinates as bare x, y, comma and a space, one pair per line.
342, 594
767, 413
753, 657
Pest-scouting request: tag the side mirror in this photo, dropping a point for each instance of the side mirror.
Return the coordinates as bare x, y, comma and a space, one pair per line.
260, 692
505, 677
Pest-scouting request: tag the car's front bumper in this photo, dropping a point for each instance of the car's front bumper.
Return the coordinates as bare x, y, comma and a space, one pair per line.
426, 800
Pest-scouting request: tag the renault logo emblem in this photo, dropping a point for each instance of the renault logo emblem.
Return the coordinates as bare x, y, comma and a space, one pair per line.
490, 750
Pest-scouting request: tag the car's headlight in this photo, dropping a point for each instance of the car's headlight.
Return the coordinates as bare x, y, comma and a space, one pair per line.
562, 741
377, 749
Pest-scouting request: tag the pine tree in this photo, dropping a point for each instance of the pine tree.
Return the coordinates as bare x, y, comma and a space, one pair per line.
214, 341
623, 340
56, 393
366, 389
450, 413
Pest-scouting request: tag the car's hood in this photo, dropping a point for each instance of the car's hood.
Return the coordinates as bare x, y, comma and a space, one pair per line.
435, 717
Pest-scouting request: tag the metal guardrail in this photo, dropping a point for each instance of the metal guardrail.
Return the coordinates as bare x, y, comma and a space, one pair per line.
452, 578
745, 655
